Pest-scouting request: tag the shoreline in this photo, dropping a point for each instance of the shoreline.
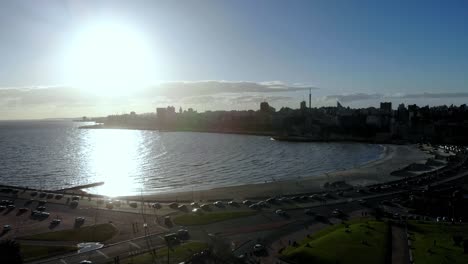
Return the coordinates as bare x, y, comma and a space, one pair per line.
393, 158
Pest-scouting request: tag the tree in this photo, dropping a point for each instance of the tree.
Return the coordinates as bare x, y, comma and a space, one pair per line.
457, 240
10, 252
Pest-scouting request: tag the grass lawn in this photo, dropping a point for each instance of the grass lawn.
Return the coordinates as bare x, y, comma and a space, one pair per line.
207, 218
96, 233
31, 252
180, 253
424, 251
334, 245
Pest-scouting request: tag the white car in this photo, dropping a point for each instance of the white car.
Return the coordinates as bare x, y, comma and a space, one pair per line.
6, 228
218, 204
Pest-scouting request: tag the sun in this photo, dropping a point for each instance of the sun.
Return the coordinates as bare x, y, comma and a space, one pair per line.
110, 59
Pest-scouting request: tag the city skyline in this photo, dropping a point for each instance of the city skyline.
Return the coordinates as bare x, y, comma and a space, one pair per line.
223, 55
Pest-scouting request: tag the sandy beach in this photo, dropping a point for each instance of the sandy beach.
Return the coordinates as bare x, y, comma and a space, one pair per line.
394, 157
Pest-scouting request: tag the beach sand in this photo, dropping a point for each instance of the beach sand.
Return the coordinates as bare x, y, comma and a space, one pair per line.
394, 157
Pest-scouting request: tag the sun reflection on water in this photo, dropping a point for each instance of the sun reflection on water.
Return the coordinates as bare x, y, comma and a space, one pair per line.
114, 158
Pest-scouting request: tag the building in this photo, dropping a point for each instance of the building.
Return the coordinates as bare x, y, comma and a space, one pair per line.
386, 107
303, 105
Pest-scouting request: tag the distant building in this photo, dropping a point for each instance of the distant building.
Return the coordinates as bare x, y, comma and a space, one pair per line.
303, 105
386, 107
166, 115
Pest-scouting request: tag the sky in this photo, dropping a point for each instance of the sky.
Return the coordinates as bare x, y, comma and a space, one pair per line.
95, 58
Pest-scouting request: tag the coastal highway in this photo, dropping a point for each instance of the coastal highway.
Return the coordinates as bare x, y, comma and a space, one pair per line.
264, 227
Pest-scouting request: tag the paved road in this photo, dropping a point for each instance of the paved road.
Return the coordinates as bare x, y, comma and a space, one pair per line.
400, 250
265, 227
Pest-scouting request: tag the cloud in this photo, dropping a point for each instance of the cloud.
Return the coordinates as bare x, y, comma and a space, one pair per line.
434, 95
347, 98
65, 101
200, 88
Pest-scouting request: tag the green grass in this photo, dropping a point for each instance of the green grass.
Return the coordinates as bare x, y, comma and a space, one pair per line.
424, 251
178, 254
334, 245
31, 252
96, 233
208, 218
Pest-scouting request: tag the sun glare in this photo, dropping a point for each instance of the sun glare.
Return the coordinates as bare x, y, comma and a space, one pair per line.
110, 59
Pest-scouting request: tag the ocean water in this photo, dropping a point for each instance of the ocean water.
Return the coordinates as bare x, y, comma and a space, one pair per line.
56, 154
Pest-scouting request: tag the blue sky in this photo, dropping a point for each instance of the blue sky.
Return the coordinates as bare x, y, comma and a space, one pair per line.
388, 48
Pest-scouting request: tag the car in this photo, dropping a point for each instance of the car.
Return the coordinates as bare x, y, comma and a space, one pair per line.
44, 214
41, 208
79, 220
167, 220
55, 221
218, 204
280, 212
271, 200
182, 207
109, 205
258, 248
247, 202
86, 262
156, 205
173, 205
172, 237
11, 206
6, 202
233, 203
194, 205
182, 233
58, 196
197, 211
337, 212
2, 207
6, 228
205, 207
50, 196
133, 204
